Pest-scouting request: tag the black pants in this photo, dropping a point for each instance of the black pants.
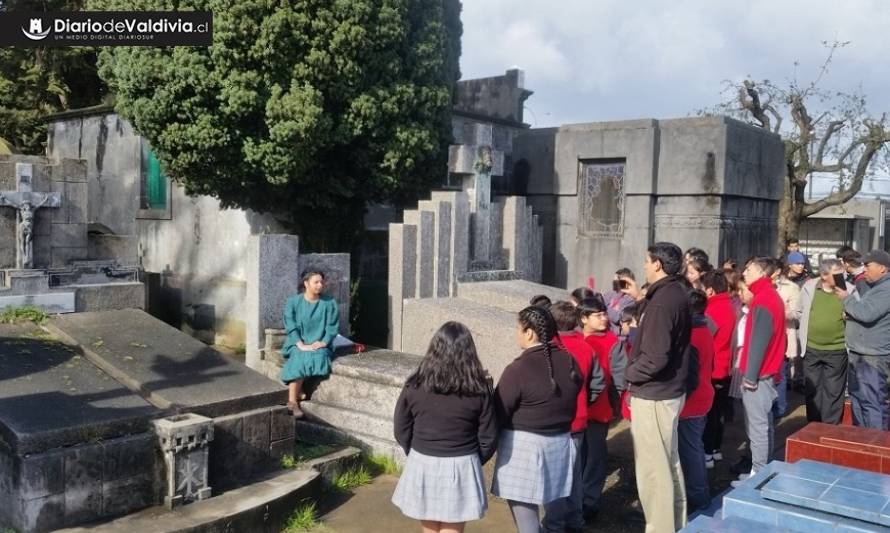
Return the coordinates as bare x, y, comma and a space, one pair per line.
826, 377
720, 413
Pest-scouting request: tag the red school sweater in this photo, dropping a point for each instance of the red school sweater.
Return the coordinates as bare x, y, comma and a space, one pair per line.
764, 348
699, 401
584, 356
721, 311
601, 410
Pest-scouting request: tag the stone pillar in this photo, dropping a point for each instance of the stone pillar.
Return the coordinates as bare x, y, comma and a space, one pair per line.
425, 222
516, 236
402, 281
272, 276
441, 244
459, 255
184, 442
478, 187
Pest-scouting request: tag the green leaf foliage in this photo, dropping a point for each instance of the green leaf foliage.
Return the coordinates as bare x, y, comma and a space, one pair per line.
38, 81
307, 109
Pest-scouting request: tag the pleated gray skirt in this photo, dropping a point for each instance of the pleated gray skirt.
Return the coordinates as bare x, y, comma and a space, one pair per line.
533, 468
441, 489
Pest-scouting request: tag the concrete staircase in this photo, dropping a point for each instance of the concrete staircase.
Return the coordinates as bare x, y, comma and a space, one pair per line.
355, 404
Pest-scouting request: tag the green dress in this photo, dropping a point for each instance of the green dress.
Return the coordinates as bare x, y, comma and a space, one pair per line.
308, 322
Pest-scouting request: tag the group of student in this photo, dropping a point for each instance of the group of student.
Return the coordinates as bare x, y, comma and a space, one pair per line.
672, 356
549, 415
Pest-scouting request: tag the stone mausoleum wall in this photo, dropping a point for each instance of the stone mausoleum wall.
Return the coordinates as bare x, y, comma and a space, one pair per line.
709, 182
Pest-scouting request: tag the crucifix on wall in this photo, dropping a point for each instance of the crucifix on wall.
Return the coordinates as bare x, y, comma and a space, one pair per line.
26, 203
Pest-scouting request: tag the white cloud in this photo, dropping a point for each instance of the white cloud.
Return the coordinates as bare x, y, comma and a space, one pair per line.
590, 60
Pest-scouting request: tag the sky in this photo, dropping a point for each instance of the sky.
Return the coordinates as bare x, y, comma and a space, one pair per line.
595, 60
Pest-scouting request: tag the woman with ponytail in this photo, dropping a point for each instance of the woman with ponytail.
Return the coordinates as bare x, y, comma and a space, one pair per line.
536, 401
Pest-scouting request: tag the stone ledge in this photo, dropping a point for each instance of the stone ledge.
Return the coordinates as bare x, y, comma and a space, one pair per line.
261, 506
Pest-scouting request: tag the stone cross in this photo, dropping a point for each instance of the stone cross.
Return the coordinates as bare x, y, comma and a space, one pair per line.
26, 203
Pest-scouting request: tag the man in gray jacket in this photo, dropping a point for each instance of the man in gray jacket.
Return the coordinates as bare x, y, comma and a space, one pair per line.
868, 341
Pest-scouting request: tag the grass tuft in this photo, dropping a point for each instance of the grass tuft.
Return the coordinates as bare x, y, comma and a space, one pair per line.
352, 478
28, 313
305, 451
304, 518
382, 464
289, 462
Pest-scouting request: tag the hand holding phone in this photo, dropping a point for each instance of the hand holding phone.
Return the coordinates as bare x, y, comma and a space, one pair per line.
839, 281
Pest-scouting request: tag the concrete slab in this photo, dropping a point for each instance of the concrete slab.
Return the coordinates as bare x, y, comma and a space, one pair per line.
54, 302
169, 368
510, 296
493, 328
52, 396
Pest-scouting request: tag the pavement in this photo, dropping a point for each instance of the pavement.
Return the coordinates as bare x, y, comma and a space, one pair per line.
371, 504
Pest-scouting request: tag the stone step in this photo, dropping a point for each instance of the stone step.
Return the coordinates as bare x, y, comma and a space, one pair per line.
510, 296
349, 421
321, 434
356, 394
494, 329
386, 367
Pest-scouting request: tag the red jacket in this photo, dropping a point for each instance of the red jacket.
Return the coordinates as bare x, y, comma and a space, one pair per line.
764, 348
698, 403
584, 356
721, 311
601, 410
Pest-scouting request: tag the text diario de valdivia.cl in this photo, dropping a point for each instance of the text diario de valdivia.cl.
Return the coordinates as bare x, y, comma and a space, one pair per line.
128, 26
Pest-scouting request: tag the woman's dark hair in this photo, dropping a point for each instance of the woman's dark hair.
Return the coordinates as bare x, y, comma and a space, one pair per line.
733, 278
540, 300
589, 306
730, 264
629, 314
581, 293
698, 301
451, 364
565, 315
700, 265
541, 322
698, 253
669, 255
716, 281
306, 275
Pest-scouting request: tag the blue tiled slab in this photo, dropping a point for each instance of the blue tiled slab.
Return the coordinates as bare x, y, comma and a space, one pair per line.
733, 524
748, 502
850, 502
851, 493
788, 488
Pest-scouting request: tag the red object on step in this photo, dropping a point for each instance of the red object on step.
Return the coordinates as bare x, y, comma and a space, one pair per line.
359, 347
591, 283
851, 446
847, 417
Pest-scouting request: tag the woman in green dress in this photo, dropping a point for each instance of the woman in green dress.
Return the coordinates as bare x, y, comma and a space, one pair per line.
311, 320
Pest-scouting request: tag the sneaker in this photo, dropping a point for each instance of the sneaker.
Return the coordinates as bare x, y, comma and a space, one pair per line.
709, 463
738, 482
718, 456
709, 457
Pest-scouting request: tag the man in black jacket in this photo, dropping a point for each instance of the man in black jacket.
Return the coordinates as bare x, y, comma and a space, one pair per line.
658, 373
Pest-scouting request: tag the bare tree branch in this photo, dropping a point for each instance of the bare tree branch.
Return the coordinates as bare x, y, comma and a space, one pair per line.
749, 98
833, 127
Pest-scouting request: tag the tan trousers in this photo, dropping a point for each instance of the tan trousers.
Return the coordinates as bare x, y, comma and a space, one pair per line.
659, 475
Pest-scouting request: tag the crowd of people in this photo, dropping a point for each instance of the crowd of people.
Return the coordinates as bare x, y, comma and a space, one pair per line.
678, 356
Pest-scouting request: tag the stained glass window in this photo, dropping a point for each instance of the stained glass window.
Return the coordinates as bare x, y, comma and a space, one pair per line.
601, 198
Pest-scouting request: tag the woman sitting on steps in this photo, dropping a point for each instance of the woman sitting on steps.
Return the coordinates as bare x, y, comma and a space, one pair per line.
311, 320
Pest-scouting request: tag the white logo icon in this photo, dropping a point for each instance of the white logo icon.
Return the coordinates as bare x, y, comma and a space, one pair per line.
36, 33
